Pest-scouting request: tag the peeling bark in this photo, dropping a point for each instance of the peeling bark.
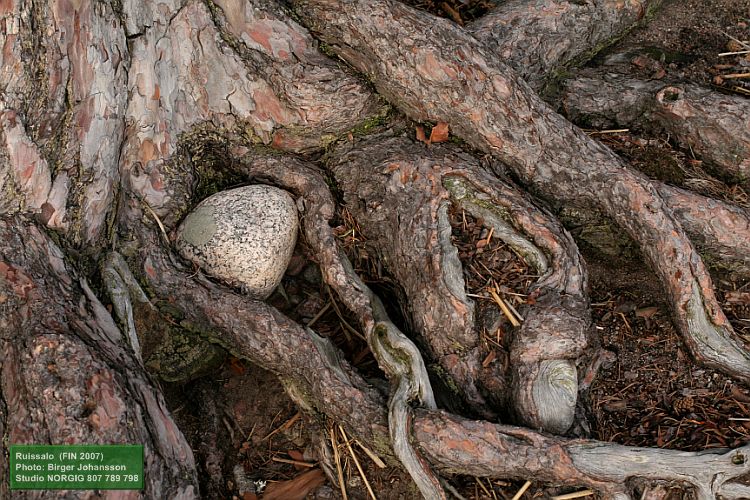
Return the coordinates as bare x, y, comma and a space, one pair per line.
249, 78
67, 376
320, 380
64, 75
269, 83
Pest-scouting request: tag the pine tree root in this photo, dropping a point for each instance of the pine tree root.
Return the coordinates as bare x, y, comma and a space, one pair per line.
433, 71
399, 193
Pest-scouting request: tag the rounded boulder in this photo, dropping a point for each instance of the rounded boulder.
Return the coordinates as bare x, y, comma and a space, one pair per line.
244, 237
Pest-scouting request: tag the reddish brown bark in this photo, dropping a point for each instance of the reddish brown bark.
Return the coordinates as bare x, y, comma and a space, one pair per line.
320, 380
540, 38
399, 192
68, 376
195, 76
433, 71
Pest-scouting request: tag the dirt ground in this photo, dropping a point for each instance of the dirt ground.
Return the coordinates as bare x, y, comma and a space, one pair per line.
650, 394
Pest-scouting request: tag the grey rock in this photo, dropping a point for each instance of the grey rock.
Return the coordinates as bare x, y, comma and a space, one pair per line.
243, 236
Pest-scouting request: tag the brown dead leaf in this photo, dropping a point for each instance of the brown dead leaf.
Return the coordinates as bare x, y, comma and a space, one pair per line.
421, 137
646, 312
739, 395
299, 457
297, 488
237, 367
249, 496
439, 133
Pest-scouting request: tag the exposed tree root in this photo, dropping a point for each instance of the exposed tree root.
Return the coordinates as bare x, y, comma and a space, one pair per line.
437, 72
711, 125
720, 230
399, 191
480, 448
540, 38
320, 380
119, 119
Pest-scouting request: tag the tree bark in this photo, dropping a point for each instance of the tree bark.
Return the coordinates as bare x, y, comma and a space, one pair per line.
67, 373
710, 125
540, 39
396, 187
433, 71
115, 117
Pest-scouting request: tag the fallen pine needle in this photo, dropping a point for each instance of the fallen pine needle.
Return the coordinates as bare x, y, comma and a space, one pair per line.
489, 236
372, 455
610, 131
738, 53
577, 494
513, 309
736, 75
339, 471
503, 307
157, 219
356, 462
292, 462
284, 426
347, 326
481, 485
320, 314
522, 490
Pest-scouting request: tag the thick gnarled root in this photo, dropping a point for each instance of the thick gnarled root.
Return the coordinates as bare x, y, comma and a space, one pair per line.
398, 191
712, 126
434, 71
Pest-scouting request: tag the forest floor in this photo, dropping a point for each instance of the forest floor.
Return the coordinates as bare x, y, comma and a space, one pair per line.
650, 394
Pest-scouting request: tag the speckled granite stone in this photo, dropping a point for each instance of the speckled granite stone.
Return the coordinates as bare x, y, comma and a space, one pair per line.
243, 236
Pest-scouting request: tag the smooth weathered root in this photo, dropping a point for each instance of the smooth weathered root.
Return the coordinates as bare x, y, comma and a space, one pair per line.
67, 373
398, 191
453, 444
433, 71
713, 126
709, 124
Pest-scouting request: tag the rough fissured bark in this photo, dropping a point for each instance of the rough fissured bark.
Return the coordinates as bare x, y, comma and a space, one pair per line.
434, 71
399, 192
68, 376
538, 38
713, 126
